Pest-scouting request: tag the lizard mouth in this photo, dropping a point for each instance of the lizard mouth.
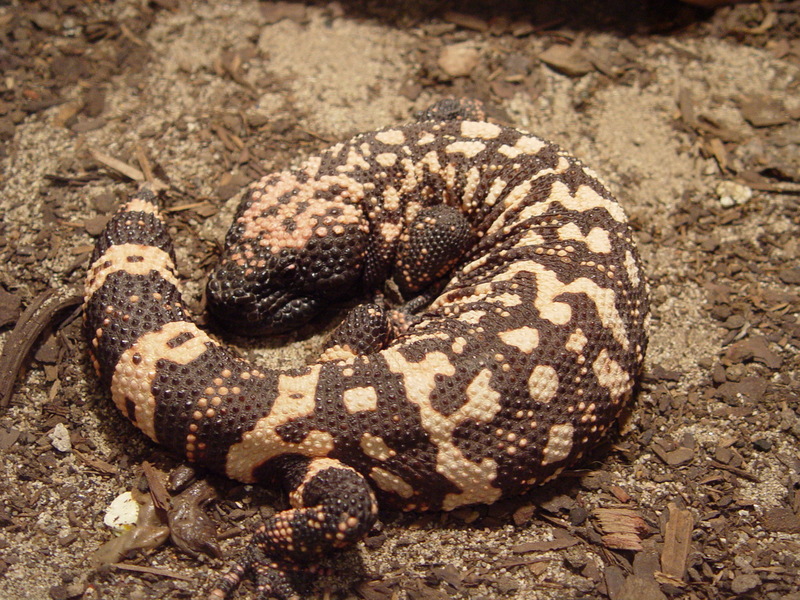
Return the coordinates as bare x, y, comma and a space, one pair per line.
252, 311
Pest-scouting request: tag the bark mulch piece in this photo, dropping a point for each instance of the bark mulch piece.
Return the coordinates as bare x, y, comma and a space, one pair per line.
42, 314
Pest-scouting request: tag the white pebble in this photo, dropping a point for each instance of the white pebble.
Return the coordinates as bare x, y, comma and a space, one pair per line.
733, 194
59, 438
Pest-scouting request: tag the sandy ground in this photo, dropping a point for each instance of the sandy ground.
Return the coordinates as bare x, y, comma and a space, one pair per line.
669, 106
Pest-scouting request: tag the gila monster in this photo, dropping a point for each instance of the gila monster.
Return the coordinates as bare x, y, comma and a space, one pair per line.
505, 335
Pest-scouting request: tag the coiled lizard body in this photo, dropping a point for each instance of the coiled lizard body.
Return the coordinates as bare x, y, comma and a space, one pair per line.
522, 332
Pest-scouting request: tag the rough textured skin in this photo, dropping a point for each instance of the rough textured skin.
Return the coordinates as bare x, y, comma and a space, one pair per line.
524, 356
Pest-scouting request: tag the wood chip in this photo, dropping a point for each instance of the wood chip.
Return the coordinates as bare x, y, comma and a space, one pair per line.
763, 111
98, 465
637, 587
41, 314
755, 348
67, 112
668, 580
376, 590
9, 307
516, 562
622, 541
560, 542
717, 149
127, 33
568, 60
272, 12
789, 276
686, 107
155, 481
622, 528
614, 579
679, 456
677, 541
465, 20
524, 514
602, 61
117, 165
735, 470
151, 571
204, 209
770, 18
781, 519
95, 225
8, 437
620, 494
144, 163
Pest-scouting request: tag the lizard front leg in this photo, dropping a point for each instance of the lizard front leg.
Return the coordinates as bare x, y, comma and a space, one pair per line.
332, 507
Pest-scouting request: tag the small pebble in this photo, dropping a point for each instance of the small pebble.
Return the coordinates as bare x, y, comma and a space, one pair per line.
506, 584
790, 276
58, 592
104, 202
59, 438
733, 194
762, 444
744, 583
459, 60
46, 20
